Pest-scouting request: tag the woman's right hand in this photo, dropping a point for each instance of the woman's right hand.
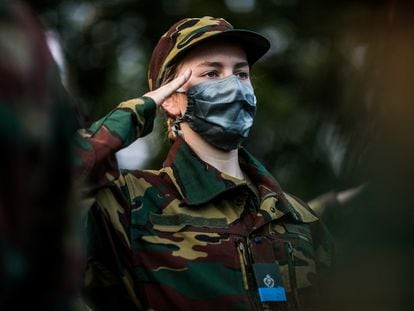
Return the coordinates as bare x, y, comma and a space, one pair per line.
162, 93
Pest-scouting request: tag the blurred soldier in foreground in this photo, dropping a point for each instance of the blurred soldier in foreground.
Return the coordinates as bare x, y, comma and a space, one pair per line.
38, 251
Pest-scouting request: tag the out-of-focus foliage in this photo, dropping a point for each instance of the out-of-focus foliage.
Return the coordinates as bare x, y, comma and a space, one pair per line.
335, 109
315, 117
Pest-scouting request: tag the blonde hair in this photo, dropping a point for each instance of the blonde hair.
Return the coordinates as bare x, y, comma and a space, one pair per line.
170, 74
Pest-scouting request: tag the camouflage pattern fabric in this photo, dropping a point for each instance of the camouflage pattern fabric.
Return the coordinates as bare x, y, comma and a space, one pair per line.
189, 32
185, 237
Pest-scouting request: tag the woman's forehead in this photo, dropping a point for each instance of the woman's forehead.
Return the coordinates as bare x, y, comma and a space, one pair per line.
216, 50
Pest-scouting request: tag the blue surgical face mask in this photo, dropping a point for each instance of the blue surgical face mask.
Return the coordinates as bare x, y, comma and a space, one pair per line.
221, 111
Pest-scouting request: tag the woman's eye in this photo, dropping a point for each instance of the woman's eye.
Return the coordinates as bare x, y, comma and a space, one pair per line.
242, 75
210, 74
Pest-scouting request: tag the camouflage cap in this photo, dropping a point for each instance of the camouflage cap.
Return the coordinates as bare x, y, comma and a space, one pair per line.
189, 32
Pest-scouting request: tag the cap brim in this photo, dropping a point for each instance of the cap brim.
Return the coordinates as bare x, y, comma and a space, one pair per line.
254, 44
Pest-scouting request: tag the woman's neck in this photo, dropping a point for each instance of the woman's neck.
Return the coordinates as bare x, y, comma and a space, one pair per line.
225, 161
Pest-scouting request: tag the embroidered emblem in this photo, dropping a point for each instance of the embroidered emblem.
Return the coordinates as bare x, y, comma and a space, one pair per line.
269, 281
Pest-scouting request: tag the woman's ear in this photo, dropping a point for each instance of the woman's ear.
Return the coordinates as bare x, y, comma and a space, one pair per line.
175, 105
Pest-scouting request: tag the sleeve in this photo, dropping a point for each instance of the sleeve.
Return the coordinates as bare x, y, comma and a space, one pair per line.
324, 245
96, 146
317, 296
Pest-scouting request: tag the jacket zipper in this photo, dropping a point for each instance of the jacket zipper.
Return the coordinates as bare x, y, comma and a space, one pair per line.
245, 259
243, 263
292, 274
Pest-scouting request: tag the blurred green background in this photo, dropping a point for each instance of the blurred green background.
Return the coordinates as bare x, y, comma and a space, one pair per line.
317, 109
335, 96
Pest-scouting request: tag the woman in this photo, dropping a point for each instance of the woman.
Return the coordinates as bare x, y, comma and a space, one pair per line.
212, 228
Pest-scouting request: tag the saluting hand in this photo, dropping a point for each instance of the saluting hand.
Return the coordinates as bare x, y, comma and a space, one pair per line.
164, 92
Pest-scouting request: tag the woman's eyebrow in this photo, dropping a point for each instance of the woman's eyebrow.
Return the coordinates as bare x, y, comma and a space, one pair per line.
220, 65
241, 65
210, 64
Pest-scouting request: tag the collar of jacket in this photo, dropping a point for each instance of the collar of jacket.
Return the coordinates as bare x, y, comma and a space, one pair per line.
198, 182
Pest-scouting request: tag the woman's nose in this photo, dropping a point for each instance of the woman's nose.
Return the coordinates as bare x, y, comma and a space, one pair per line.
227, 73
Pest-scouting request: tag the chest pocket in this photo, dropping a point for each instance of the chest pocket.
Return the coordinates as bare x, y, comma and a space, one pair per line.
192, 233
291, 245
178, 221
217, 215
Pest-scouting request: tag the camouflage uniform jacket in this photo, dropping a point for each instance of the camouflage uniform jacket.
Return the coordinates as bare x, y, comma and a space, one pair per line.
186, 237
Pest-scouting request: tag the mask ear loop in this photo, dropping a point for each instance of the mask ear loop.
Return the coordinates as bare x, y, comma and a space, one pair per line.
176, 126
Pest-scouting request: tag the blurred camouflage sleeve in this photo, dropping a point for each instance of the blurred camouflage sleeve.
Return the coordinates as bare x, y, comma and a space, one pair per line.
96, 146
